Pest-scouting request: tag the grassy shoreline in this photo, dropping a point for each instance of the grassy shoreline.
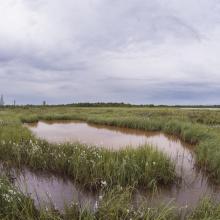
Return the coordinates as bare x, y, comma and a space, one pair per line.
105, 170
113, 204
89, 166
205, 138
170, 121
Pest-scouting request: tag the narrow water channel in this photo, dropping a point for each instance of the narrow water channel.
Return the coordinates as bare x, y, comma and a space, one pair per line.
49, 190
193, 187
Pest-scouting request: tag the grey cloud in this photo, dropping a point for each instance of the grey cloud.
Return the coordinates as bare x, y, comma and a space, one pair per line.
110, 50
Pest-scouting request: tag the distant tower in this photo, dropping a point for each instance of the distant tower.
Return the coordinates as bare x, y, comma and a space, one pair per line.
14, 103
2, 100
44, 103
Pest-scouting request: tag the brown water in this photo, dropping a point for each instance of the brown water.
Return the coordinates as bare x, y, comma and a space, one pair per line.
194, 184
47, 190
102, 136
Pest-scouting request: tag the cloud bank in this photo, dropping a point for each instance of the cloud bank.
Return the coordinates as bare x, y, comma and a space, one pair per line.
142, 51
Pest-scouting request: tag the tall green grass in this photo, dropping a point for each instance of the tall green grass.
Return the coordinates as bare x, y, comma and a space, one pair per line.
90, 166
14, 205
112, 204
172, 122
87, 165
207, 210
103, 169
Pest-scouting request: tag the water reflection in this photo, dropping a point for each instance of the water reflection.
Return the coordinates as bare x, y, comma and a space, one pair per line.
189, 191
47, 190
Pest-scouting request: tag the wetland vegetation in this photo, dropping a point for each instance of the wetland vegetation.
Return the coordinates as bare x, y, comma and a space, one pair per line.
115, 174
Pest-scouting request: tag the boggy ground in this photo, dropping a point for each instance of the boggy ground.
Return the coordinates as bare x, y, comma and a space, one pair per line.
114, 204
192, 126
101, 169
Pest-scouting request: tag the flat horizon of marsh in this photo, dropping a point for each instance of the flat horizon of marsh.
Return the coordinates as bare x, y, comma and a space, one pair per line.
182, 143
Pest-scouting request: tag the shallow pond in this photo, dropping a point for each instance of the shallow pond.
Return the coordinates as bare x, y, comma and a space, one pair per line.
194, 184
46, 189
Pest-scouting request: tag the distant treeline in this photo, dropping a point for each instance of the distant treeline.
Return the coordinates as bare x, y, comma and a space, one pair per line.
121, 104
113, 104
84, 104
108, 104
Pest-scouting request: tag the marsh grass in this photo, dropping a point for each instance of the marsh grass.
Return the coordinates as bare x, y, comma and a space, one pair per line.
114, 204
90, 166
170, 121
207, 210
104, 170
14, 205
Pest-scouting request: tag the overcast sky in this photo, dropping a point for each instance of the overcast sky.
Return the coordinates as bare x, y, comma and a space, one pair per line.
138, 51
